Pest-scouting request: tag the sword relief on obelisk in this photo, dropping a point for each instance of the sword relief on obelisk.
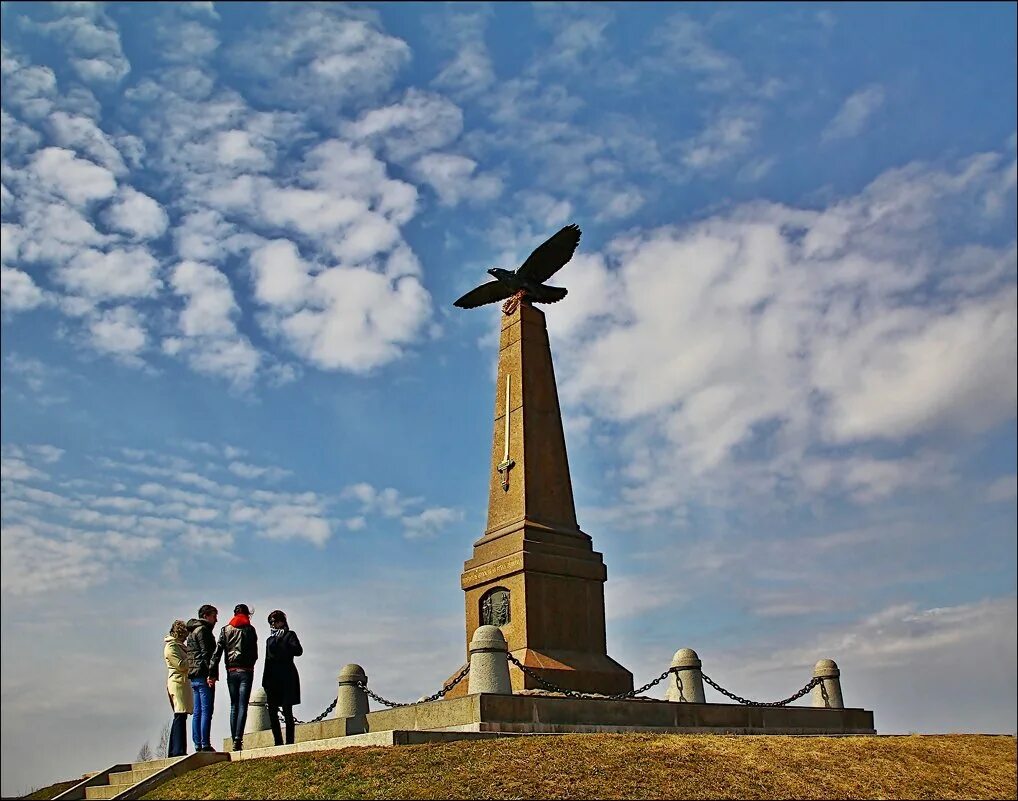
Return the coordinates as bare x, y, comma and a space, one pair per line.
507, 464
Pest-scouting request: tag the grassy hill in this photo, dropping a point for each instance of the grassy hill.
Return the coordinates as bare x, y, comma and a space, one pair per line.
624, 766
628, 766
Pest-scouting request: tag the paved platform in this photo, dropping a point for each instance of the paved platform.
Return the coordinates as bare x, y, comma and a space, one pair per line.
534, 714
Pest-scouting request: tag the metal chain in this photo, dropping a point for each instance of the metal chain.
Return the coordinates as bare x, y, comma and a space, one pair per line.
809, 686
321, 717
434, 697
297, 721
576, 693
569, 693
381, 700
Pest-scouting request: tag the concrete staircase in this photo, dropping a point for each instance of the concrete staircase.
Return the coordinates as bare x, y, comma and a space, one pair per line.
121, 780
134, 779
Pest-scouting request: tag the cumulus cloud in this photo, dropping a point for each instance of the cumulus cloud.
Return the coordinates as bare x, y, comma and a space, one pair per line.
77, 180
454, 180
780, 330
126, 273
470, 70
367, 319
136, 214
727, 135
418, 123
281, 276
80, 133
854, 113
251, 471
320, 51
430, 522
29, 89
18, 291
210, 339
119, 331
33, 563
91, 41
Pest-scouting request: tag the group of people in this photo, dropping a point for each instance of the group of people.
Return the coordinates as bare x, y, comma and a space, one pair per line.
192, 656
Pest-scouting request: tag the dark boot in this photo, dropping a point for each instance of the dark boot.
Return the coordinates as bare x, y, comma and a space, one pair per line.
238, 743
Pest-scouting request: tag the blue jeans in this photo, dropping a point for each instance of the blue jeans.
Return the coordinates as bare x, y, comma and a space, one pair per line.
240, 683
204, 703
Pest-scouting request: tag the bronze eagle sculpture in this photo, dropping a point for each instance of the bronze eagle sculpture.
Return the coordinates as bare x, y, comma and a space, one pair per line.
526, 283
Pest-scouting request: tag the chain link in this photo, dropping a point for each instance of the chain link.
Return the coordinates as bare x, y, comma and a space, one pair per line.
816, 680
809, 686
321, 717
434, 697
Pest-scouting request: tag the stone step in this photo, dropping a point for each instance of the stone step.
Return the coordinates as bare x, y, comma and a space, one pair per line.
128, 777
154, 763
107, 791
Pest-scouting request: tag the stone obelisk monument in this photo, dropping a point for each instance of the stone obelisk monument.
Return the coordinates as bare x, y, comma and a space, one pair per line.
534, 573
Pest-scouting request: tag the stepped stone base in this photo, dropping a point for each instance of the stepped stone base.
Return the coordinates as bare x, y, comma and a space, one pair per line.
534, 714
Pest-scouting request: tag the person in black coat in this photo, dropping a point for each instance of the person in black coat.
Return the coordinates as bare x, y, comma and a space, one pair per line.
280, 678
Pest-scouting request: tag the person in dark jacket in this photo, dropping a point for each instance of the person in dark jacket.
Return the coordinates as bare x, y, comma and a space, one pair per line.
201, 648
279, 677
238, 645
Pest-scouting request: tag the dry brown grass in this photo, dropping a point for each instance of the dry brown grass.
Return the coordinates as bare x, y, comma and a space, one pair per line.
628, 766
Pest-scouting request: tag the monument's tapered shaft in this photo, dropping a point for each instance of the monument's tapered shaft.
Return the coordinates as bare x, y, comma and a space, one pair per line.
534, 573
539, 486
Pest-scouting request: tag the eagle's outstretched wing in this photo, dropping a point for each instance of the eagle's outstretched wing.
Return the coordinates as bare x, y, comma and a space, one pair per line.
549, 258
485, 293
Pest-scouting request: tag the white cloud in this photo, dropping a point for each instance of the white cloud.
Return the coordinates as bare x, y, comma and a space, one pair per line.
119, 331
1003, 489
684, 44
47, 453
210, 303
127, 273
727, 135
251, 471
429, 522
78, 180
420, 122
470, 71
312, 52
904, 373
55, 232
854, 113
366, 321
236, 149
777, 330
284, 521
387, 502
34, 564
211, 341
136, 214
29, 89
82, 134
281, 276
14, 468
453, 179
91, 42
18, 292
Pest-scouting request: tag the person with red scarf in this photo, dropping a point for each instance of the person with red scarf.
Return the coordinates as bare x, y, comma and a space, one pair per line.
238, 644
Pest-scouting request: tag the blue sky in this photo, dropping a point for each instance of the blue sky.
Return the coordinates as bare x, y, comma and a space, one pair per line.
232, 235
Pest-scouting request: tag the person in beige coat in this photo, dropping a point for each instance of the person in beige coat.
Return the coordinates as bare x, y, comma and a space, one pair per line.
178, 687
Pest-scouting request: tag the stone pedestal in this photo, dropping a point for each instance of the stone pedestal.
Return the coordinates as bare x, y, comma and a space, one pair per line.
534, 573
522, 714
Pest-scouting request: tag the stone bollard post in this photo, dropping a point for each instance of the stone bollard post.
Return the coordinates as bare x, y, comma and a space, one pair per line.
351, 700
489, 668
257, 712
686, 684
829, 687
